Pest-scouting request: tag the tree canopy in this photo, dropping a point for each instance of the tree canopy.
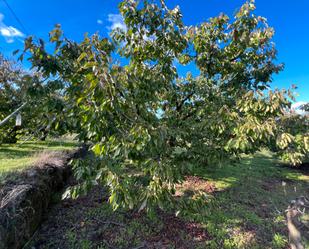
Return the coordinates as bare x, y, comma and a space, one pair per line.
147, 123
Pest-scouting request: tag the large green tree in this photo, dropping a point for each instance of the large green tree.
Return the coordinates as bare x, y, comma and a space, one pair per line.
147, 123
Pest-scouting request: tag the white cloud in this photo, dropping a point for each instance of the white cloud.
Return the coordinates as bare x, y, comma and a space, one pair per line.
9, 32
296, 107
116, 21
99, 21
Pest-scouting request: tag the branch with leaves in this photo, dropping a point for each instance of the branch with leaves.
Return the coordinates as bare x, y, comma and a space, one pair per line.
147, 123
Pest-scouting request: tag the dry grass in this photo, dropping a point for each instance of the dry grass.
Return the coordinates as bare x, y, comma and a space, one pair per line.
46, 157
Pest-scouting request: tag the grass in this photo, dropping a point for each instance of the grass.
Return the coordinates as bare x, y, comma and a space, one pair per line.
243, 206
248, 209
16, 157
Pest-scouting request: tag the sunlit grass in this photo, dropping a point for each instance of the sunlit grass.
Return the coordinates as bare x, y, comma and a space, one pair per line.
248, 210
16, 157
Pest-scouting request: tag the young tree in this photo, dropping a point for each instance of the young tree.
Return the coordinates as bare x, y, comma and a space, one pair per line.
147, 123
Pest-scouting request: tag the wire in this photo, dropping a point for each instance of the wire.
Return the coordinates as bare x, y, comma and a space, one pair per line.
18, 20
16, 17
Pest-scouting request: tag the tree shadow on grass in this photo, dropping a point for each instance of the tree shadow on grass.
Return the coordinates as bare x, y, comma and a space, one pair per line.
9, 153
47, 144
247, 209
29, 149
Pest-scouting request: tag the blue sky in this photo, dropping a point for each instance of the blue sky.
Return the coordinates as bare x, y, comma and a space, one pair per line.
289, 18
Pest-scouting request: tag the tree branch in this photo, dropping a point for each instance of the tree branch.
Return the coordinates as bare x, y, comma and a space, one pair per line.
179, 105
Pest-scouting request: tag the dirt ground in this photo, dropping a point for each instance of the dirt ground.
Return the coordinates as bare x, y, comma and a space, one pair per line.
88, 222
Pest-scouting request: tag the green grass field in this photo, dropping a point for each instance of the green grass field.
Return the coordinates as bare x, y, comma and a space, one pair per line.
248, 210
16, 157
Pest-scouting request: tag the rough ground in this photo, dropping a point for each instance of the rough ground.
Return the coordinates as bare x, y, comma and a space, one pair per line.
89, 222
230, 206
25, 197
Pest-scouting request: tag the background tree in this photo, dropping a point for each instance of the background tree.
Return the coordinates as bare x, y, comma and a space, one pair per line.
147, 124
12, 94
305, 108
293, 138
43, 98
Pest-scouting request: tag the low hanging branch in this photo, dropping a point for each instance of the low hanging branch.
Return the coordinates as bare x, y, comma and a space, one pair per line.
12, 114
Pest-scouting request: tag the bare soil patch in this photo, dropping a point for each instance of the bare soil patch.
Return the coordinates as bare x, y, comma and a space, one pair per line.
89, 220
